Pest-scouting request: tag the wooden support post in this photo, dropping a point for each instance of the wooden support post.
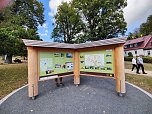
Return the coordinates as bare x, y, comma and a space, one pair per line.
119, 70
76, 68
32, 72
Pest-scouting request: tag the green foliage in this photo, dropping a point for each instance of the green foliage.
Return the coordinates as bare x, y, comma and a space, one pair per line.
19, 21
10, 40
145, 59
128, 58
102, 19
68, 24
146, 28
134, 35
31, 12
130, 54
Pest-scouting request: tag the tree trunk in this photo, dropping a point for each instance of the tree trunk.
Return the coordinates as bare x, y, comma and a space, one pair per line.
8, 59
3, 57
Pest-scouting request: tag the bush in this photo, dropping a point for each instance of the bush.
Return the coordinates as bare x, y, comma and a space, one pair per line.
145, 59
130, 54
128, 58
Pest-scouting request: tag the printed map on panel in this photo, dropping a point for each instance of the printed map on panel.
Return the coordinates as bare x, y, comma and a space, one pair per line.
94, 60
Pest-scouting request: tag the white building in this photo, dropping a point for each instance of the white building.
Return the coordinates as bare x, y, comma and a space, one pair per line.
139, 46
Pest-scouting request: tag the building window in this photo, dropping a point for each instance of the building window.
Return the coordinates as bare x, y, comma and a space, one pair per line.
148, 53
125, 47
135, 52
131, 45
135, 45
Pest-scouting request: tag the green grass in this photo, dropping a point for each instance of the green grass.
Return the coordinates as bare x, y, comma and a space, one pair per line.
144, 82
147, 66
12, 76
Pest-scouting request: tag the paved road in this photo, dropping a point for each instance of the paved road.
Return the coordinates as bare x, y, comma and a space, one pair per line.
149, 73
93, 96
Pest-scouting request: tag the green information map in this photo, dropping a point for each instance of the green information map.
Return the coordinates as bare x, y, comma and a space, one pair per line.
55, 63
97, 61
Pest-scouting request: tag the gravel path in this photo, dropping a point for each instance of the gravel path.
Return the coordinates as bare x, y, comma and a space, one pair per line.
93, 96
149, 73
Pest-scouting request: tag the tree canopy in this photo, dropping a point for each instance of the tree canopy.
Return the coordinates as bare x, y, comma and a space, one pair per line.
143, 30
146, 28
68, 23
100, 19
19, 21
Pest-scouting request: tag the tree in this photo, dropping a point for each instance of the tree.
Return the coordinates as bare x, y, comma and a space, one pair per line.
104, 18
130, 54
68, 24
146, 28
13, 20
135, 34
11, 43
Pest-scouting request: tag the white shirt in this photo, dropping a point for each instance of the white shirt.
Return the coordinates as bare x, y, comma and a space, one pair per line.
133, 61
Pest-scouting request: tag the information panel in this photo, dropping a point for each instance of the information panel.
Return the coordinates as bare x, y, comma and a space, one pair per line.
97, 61
55, 63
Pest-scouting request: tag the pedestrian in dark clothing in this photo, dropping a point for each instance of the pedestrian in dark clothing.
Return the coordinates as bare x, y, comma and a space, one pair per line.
140, 64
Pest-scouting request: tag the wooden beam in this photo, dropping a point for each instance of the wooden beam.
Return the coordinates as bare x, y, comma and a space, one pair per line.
76, 68
99, 48
96, 76
119, 70
32, 72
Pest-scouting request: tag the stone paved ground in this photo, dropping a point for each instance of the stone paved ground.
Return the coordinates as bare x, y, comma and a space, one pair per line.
149, 73
93, 96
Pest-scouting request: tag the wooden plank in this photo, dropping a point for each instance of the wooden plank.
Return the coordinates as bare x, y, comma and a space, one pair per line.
96, 76
42, 49
32, 72
97, 48
37, 43
41, 79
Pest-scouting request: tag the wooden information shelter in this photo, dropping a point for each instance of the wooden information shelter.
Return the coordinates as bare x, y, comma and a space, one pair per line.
49, 60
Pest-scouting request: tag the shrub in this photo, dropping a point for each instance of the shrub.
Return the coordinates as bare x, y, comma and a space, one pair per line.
130, 54
145, 59
128, 58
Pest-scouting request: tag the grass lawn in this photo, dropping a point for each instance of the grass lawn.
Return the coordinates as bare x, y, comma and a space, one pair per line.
12, 76
144, 82
147, 66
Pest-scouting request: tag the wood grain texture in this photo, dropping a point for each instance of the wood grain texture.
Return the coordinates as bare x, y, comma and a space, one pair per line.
119, 69
36, 43
32, 72
76, 68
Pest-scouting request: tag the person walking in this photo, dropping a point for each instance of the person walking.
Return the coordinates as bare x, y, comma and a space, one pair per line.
134, 63
140, 64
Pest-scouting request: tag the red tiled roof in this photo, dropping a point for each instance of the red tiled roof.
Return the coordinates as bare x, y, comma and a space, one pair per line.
145, 40
149, 44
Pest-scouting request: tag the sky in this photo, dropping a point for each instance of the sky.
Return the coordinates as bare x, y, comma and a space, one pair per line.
135, 14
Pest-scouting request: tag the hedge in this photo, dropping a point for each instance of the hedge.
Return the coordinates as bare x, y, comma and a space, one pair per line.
145, 59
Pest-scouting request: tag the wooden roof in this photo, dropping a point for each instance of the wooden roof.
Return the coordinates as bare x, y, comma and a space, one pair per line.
37, 43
